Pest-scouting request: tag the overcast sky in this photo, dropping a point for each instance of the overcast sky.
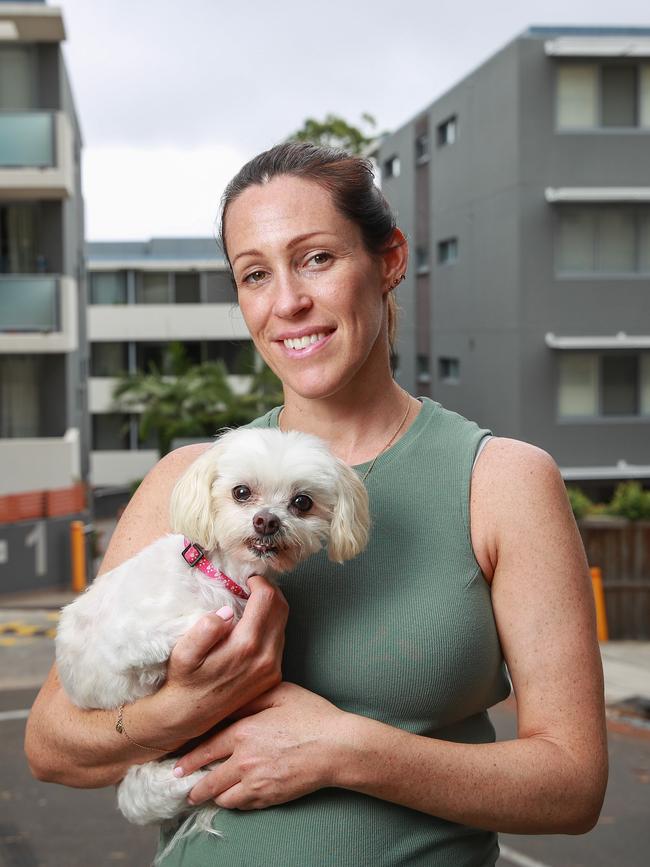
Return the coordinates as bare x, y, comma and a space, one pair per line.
173, 97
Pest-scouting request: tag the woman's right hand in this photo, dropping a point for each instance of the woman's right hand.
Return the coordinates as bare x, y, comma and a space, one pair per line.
217, 666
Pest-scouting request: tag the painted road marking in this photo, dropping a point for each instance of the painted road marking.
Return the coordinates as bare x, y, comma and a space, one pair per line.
27, 630
13, 714
514, 857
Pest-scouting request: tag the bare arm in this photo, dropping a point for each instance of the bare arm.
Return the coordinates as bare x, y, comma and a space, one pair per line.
214, 668
552, 778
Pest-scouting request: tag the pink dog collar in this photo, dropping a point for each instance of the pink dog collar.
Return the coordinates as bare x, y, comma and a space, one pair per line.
194, 555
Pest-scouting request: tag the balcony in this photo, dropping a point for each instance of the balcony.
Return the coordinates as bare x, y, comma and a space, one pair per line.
119, 322
36, 155
38, 313
40, 463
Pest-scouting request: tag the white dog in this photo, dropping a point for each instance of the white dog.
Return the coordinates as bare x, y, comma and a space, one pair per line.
258, 501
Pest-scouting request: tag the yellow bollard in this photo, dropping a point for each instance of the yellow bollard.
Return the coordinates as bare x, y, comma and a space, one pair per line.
78, 552
599, 599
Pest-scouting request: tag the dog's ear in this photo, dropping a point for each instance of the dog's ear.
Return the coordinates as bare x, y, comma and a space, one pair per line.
192, 506
351, 518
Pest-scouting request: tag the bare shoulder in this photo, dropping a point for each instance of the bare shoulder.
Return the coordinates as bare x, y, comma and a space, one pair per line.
514, 484
146, 517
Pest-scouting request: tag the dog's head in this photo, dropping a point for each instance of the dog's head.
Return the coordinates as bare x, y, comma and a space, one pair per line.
267, 500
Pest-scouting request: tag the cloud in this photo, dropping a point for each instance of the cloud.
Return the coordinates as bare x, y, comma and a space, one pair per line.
133, 193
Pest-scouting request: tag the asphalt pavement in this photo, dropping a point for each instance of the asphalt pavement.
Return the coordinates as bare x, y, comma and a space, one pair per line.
42, 825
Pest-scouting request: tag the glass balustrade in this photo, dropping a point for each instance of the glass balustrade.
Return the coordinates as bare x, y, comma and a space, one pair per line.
26, 139
29, 303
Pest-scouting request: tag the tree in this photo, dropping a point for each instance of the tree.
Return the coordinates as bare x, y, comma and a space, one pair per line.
188, 401
334, 131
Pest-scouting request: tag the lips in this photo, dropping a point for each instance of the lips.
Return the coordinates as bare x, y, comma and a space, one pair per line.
303, 342
306, 341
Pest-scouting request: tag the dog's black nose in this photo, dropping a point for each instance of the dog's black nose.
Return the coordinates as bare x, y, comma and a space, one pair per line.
265, 523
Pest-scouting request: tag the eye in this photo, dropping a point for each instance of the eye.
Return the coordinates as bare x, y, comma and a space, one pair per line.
241, 493
320, 258
302, 503
254, 276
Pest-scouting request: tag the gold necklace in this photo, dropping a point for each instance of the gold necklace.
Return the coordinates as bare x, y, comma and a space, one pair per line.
390, 441
388, 444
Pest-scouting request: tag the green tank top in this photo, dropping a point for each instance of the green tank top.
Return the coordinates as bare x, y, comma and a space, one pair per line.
404, 634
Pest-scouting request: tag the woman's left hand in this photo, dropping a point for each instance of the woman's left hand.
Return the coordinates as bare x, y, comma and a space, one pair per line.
284, 748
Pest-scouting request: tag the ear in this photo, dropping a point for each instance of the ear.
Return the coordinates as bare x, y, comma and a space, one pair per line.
192, 506
395, 259
351, 520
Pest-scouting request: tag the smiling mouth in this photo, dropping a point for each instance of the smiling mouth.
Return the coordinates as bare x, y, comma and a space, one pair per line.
298, 344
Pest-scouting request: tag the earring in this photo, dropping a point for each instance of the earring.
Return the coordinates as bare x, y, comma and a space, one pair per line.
397, 281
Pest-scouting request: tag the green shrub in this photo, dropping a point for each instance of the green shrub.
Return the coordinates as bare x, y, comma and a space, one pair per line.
580, 503
630, 501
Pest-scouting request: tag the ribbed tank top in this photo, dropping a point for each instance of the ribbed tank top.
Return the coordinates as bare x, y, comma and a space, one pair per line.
404, 634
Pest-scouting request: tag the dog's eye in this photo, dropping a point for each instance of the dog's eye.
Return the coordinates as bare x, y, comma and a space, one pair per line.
241, 493
302, 503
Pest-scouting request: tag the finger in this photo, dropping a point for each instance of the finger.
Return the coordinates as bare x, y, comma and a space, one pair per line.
214, 749
219, 780
192, 648
266, 603
234, 798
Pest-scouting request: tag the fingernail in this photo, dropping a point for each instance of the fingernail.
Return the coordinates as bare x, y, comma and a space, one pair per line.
178, 771
225, 613
190, 801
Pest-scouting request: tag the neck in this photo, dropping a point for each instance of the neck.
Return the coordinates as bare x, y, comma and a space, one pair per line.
358, 420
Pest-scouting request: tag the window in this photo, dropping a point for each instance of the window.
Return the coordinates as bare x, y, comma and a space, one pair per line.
608, 95
423, 368
187, 289
449, 370
448, 131
421, 259
108, 287
422, 148
392, 167
219, 288
448, 251
19, 240
153, 287
17, 78
619, 96
237, 355
110, 431
603, 240
612, 384
108, 359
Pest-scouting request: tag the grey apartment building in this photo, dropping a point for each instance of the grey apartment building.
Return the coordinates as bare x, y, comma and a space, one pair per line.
43, 408
525, 194
144, 296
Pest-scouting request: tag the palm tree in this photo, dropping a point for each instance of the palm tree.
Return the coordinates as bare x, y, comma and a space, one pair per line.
193, 401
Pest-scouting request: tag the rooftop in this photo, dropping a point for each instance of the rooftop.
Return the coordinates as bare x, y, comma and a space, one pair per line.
155, 249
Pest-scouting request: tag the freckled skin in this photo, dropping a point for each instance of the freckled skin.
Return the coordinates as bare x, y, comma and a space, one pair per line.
327, 280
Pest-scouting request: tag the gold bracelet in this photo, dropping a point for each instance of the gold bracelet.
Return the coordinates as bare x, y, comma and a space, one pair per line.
119, 727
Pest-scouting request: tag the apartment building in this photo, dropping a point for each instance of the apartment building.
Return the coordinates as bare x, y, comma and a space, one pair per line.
143, 297
43, 411
525, 193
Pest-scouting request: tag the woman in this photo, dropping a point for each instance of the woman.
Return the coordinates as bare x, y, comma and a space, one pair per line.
376, 748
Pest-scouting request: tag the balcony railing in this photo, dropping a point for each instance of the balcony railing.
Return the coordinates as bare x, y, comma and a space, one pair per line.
27, 139
29, 303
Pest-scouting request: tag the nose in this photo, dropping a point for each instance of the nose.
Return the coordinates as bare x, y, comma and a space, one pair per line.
265, 523
290, 297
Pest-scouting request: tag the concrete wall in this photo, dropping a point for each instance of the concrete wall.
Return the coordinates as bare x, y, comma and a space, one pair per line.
581, 305
493, 307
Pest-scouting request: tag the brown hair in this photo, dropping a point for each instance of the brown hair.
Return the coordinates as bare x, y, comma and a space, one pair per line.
348, 179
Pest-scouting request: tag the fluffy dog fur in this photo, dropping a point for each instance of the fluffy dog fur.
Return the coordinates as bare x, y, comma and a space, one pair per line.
114, 641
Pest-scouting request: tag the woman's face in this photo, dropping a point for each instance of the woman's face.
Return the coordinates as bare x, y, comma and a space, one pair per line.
311, 294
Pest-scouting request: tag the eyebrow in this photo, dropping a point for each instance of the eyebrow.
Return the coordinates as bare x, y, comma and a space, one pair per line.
293, 243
